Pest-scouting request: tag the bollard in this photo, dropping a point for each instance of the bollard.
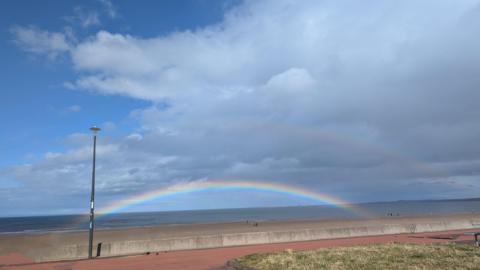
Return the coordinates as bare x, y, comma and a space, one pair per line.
99, 249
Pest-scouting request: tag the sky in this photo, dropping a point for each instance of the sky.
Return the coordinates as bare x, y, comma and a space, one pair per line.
362, 101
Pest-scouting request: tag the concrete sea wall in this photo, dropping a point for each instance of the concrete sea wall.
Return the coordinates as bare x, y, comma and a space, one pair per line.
118, 248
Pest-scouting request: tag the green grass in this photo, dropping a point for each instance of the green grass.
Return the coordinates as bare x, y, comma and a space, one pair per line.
391, 256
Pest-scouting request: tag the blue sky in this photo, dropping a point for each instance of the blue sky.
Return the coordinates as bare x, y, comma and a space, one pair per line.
360, 102
33, 87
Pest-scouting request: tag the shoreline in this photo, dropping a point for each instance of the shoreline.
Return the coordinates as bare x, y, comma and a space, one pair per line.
228, 223
73, 245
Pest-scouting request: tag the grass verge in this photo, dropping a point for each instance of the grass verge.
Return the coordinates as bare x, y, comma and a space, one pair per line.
391, 256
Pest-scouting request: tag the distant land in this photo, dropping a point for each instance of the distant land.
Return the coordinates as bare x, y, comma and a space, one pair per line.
440, 200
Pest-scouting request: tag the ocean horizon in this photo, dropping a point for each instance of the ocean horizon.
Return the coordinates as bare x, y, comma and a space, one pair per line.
42, 224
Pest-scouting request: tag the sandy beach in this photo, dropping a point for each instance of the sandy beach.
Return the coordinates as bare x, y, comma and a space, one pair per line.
30, 247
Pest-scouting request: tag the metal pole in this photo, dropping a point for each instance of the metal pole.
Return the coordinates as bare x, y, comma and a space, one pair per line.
92, 200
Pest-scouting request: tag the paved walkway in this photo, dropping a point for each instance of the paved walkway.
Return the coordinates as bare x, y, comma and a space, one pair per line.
215, 258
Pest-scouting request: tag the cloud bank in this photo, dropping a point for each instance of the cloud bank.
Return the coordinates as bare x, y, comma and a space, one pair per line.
363, 101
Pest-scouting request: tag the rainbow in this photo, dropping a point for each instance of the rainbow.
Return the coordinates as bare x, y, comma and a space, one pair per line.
223, 185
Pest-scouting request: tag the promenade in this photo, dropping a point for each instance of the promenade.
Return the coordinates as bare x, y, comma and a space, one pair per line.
215, 258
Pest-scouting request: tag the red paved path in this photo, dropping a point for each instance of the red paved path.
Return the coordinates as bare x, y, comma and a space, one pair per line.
215, 258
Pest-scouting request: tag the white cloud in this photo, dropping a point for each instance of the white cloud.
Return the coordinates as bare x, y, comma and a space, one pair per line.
360, 101
110, 8
292, 79
41, 42
273, 66
87, 17
84, 17
135, 136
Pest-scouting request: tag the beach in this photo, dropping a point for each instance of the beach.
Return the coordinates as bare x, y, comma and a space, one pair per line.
54, 246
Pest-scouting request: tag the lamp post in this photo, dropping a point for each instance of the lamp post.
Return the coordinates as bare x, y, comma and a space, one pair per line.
94, 130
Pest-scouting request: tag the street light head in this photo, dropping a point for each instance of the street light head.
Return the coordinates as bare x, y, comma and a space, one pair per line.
94, 130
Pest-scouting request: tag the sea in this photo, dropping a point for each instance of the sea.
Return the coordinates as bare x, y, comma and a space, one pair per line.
42, 224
